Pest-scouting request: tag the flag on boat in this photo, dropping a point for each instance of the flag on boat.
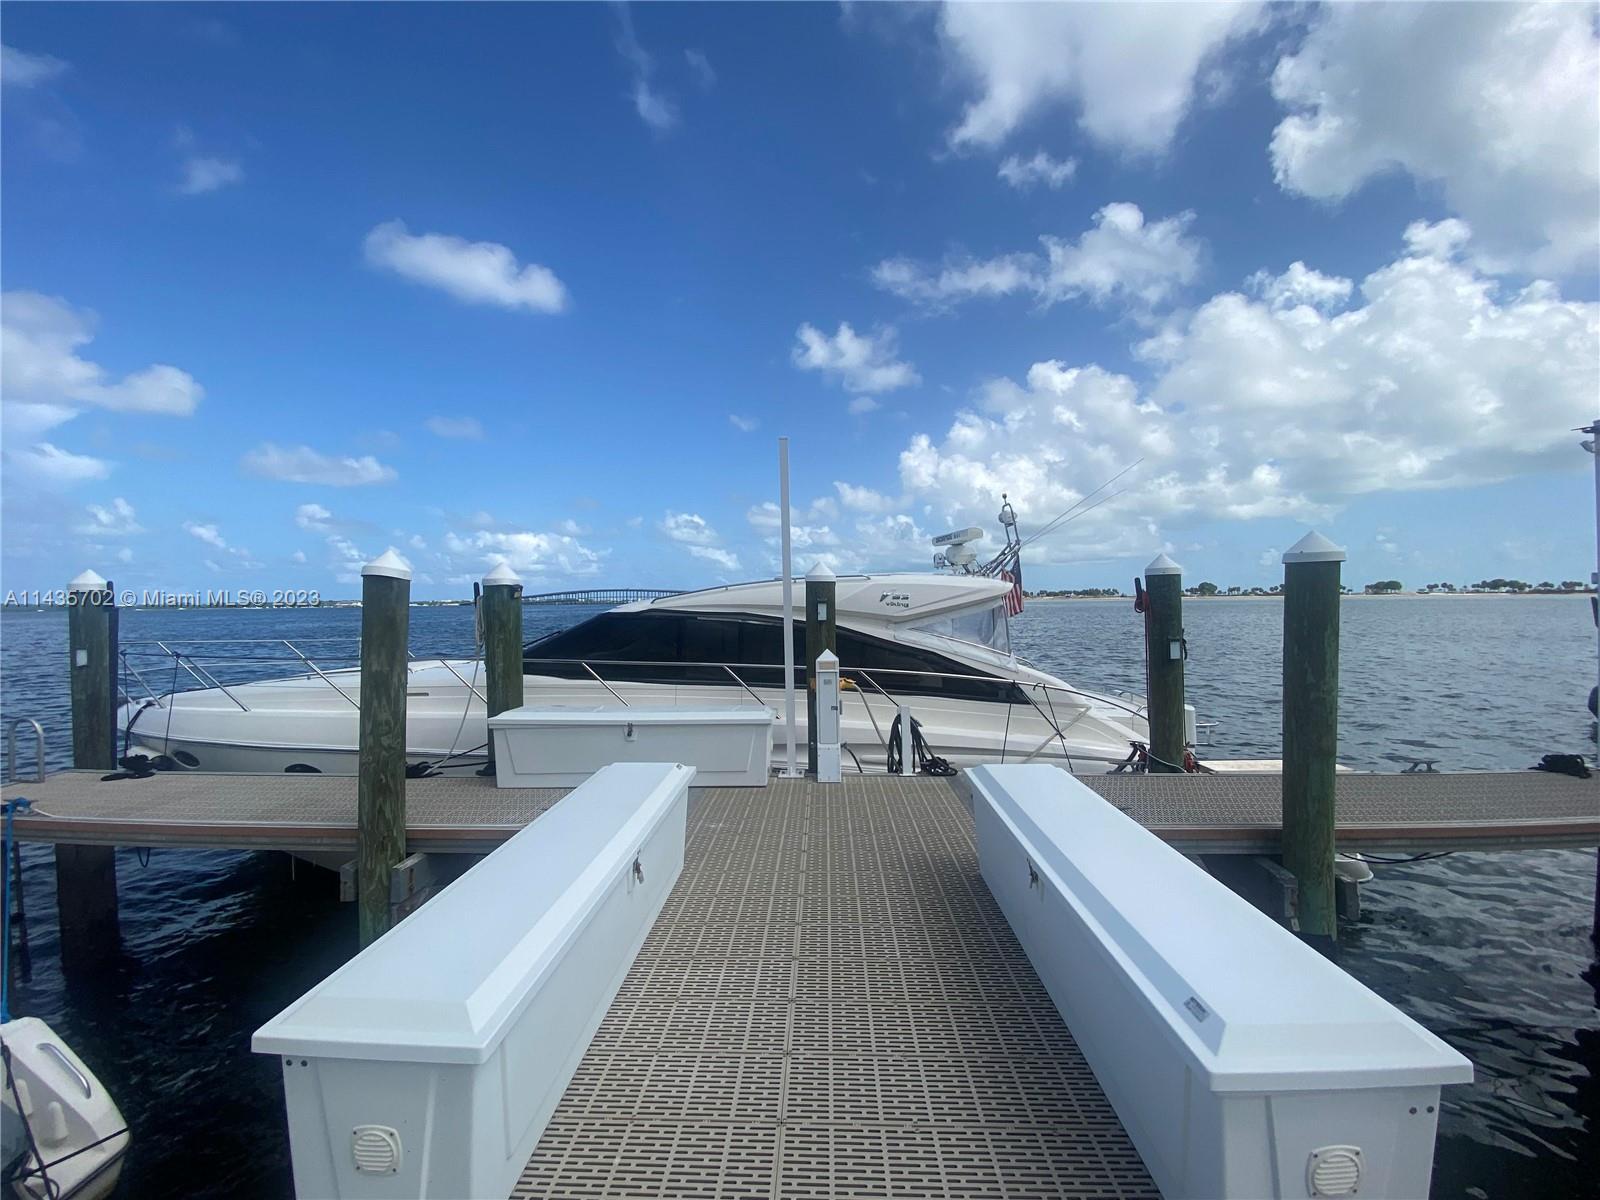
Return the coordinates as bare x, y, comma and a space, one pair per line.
1014, 596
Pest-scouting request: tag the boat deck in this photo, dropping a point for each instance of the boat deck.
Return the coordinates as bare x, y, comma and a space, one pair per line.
831, 1004
1220, 814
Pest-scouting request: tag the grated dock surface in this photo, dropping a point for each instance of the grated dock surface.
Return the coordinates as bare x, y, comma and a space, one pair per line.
831, 1004
1225, 813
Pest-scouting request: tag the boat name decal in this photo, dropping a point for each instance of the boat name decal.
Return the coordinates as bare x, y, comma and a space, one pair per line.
895, 599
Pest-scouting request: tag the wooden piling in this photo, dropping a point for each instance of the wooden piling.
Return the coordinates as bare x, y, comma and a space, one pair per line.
1164, 654
821, 634
381, 785
502, 642
1311, 727
86, 876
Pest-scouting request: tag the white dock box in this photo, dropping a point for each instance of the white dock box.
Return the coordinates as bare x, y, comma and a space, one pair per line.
429, 1064
559, 747
1241, 1062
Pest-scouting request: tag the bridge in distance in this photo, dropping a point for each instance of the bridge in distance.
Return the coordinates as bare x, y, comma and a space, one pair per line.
600, 596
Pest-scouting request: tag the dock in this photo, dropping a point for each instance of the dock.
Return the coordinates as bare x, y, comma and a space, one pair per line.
831, 1003
1407, 812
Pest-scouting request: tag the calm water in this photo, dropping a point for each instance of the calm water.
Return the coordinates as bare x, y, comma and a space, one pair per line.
1491, 951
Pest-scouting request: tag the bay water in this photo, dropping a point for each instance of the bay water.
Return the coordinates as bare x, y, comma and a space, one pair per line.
1489, 950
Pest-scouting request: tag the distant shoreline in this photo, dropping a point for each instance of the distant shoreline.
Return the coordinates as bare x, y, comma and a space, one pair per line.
1351, 596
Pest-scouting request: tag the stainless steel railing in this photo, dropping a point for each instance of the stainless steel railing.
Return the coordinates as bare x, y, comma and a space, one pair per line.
204, 662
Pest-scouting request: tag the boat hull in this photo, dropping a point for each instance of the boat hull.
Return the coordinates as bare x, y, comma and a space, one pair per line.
303, 724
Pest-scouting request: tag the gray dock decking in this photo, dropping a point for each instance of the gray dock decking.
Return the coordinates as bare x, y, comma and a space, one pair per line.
831, 1004
1218, 814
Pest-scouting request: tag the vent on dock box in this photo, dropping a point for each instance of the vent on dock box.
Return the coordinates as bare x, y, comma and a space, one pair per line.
376, 1149
1334, 1171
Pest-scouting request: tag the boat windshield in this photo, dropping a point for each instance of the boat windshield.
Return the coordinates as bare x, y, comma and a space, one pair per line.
986, 626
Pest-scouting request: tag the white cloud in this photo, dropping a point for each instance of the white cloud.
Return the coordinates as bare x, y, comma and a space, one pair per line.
1425, 375
302, 464
206, 533
865, 364
455, 427
42, 375
532, 555
125, 555
1123, 259
655, 109
695, 534
1129, 74
862, 499
473, 272
117, 519
704, 75
1301, 285
203, 174
51, 466
1494, 103
298, 556
313, 517
1024, 173
743, 424
18, 68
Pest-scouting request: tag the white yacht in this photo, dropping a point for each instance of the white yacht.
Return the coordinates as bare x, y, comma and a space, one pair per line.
937, 643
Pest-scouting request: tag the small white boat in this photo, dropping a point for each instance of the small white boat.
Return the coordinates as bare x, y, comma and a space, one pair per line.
63, 1137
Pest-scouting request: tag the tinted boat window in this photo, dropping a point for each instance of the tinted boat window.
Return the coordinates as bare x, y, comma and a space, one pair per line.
753, 646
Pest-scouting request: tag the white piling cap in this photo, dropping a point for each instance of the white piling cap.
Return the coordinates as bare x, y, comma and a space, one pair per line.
1162, 565
388, 563
819, 571
1313, 548
87, 582
502, 576
827, 660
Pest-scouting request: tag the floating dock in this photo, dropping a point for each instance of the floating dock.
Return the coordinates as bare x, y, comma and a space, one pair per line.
831, 1002
1213, 814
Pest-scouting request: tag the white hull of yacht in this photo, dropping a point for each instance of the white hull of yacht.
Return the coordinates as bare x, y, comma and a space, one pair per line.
303, 723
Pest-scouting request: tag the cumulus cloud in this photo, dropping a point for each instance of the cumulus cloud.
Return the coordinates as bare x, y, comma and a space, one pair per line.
861, 363
1301, 285
116, 519
302, 464
41, 370
50, 466
206, 533
1024, 173
654, 107
1122, 259
1285, 402
472, 272
468, 428
20, 69
532, 555
1494, 103
313, 517
1129, 79
695, 534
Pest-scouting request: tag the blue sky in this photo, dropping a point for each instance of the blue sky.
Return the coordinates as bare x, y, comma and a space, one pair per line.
286, 285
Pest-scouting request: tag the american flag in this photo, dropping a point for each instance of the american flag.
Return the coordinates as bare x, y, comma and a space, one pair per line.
1014, 596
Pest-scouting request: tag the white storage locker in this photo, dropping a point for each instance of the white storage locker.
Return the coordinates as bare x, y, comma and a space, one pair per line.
559, 747
1241, 1062
429, 1064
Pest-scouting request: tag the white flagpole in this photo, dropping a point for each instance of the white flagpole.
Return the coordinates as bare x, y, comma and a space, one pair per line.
788, 608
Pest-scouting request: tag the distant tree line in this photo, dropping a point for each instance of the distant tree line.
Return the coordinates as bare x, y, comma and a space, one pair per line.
1380, 587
